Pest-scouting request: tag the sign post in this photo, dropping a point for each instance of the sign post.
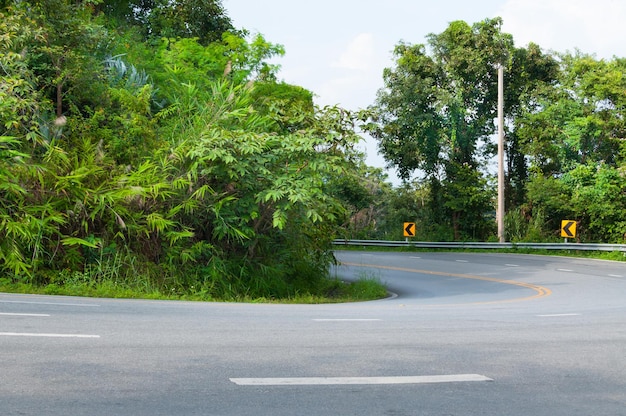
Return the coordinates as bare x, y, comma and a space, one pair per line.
568, 229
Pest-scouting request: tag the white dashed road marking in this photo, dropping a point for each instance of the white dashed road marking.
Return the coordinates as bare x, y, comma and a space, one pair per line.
86, 305
346, 320
27, 334
313, 381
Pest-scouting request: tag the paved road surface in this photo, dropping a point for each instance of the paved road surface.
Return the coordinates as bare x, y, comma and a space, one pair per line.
463, 334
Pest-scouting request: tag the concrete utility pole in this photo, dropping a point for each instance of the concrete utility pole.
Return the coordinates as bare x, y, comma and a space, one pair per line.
500, 209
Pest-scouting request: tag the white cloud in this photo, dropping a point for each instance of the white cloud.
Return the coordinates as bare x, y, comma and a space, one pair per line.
359, 54
350, 75
595, 27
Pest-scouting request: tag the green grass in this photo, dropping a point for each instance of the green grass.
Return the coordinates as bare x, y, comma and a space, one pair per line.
328, 291
366, 289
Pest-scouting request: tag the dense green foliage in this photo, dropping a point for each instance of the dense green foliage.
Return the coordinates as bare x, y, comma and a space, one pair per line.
575, 138
435, 115
565, 136
175, 162
148, 145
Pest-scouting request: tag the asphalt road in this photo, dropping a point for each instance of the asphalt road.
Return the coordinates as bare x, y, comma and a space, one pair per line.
462, 334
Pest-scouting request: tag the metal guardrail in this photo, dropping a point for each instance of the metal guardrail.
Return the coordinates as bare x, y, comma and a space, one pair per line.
475, 245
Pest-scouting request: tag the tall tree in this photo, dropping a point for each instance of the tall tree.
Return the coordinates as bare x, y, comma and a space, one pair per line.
530, 76
574, 139
436, 111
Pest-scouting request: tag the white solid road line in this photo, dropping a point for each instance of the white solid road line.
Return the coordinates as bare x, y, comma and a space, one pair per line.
27, 334
24, 314
315, 381
25, 302
555, 315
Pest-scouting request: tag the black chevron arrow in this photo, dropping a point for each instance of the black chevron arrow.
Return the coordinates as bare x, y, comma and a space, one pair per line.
409, 229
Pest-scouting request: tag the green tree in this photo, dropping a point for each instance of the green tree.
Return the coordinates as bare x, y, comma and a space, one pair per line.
19, 96
530, 77
365, 193
69, 56
578, 119
436, 111
574, 140
205, 20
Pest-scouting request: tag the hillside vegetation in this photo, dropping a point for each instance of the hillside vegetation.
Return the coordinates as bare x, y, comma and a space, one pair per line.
150, 146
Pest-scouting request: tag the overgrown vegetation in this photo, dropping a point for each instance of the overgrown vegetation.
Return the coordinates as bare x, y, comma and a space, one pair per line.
174, 165
149, 147
565, 136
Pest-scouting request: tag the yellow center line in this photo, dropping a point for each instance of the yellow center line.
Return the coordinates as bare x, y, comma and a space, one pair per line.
541, 291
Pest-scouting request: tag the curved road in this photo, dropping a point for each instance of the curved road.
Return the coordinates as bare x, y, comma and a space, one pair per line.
462, 334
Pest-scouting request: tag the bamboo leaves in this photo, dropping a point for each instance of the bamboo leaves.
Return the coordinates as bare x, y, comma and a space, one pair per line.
183, 160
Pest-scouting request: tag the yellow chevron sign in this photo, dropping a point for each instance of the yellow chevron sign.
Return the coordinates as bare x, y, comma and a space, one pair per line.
568, 228
409, 229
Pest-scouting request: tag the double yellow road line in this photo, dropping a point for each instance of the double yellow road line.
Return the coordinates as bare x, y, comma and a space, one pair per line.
540, 291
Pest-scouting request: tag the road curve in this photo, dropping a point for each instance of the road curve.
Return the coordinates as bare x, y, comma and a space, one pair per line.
439, 279
464, 334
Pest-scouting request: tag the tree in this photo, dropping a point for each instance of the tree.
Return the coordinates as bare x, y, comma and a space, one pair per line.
574, 138
435, 112
205, 20
530, 77
68, 56
19, 96
577, 120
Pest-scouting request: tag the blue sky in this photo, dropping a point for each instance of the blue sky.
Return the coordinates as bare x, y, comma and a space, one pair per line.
338, 49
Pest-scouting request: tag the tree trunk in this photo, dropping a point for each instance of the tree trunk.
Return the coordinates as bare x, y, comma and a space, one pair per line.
455, 225
59, 99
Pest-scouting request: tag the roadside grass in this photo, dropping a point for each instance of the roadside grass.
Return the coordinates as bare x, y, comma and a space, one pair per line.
328, 290
366, 286
360, 290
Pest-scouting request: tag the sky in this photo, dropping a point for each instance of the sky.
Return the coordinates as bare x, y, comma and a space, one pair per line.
338, 48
